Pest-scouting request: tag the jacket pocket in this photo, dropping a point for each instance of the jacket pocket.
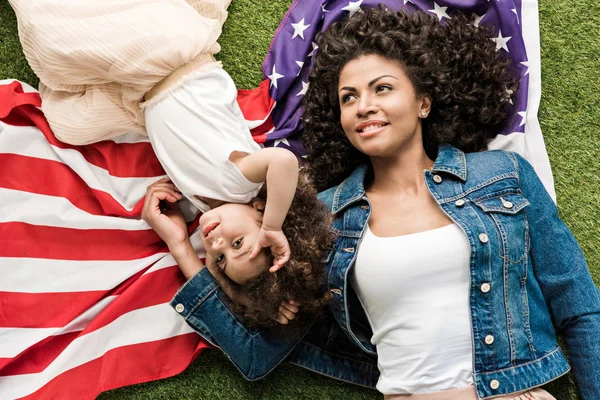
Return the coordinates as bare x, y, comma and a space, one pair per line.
507, 211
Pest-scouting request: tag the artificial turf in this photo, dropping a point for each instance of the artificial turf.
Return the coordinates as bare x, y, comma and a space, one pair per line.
569, 116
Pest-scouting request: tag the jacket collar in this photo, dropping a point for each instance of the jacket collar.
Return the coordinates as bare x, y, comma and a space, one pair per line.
449, 160
452, 161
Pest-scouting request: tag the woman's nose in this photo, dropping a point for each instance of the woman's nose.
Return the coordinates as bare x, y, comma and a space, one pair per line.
366, 105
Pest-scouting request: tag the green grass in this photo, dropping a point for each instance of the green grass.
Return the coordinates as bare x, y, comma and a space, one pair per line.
569, 116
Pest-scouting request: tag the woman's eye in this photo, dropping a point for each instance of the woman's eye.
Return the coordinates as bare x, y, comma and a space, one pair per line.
220, 259
237, 243
347, 97
383, 88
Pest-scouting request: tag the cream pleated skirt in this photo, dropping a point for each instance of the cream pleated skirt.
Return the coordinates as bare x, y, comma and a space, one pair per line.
96, 59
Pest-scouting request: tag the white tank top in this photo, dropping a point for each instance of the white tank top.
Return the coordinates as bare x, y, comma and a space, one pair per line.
415, 292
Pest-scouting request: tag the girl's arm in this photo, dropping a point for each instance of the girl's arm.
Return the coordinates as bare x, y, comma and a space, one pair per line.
561, 270
278, 168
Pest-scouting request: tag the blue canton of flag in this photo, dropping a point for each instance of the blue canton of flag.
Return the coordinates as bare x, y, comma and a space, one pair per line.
290, 57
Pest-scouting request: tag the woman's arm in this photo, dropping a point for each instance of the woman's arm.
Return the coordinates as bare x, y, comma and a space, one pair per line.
204, 306
566, 283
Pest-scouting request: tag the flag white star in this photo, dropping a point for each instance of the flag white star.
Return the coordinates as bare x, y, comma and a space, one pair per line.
523, 115
407, 1
515, 11
274, 76
314, 48
299, 29
509, 93
478, 20
300, 64
353, 7
439, 11
501, 41
323, 9
278, 141
304, 88
526, 63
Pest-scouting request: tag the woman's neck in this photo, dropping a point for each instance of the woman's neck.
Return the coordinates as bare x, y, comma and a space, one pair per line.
403, 172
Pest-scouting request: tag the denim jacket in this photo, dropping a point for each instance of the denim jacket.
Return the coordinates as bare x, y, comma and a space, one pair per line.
528, 276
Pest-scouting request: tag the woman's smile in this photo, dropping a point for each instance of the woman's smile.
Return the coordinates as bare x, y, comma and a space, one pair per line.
370, 128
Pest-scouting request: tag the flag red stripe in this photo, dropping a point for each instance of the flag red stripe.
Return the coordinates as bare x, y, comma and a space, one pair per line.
37, 357
59, 180
123, 366
120, 159
20, 239
58, 309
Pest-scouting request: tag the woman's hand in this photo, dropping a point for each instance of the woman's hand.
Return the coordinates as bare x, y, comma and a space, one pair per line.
277, 242
287, 312
161, 212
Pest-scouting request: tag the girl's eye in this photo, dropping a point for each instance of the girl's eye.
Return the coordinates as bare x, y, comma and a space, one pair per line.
383, 88
220, 259
237, 243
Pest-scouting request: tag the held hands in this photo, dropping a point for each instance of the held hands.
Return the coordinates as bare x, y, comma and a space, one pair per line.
165, 218
276, 240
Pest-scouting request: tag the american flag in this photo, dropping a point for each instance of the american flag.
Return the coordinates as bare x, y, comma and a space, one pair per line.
290, 57
85, 284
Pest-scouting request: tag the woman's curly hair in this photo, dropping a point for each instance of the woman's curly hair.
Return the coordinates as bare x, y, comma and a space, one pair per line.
457, 64
307, 228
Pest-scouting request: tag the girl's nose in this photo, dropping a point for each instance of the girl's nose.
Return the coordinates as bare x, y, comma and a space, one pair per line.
217, 243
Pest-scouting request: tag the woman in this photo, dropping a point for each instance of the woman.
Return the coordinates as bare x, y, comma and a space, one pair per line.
451, 263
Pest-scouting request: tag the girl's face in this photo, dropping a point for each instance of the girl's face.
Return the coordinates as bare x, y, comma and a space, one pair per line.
380, 112
228, 233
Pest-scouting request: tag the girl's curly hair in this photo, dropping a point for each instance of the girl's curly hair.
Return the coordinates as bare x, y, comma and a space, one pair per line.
457, 64
307, 228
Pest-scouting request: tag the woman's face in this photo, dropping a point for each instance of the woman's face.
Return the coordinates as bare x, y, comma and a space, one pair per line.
380, 112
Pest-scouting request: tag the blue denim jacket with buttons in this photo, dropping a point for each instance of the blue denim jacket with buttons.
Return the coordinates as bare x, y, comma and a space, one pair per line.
528, 277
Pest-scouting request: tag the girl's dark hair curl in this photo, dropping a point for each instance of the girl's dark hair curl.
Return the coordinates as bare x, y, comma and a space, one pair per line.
307, 228
456, 64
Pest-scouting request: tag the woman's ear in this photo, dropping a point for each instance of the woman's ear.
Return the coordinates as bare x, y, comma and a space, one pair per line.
258, 204
425, 107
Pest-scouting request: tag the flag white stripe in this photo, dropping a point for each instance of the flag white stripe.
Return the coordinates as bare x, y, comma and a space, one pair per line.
29, 141
139, 326
536, 148
15, 340
39, 209
55, 276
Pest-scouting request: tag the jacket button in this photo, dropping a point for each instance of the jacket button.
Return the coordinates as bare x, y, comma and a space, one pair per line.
494, 384
485, 287
506, 204
364, 207
483, 238
179, 308
459, 203
489, 339
348, 249
437, 179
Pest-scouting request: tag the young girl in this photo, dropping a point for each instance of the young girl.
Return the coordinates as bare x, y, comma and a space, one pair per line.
112, 66
451, 269
229, 236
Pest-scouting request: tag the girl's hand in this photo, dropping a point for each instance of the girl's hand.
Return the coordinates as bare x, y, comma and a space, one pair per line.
276, 240
161, 212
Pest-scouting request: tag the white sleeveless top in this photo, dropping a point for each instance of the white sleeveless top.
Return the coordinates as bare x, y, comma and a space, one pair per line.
415, 291
193, 129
